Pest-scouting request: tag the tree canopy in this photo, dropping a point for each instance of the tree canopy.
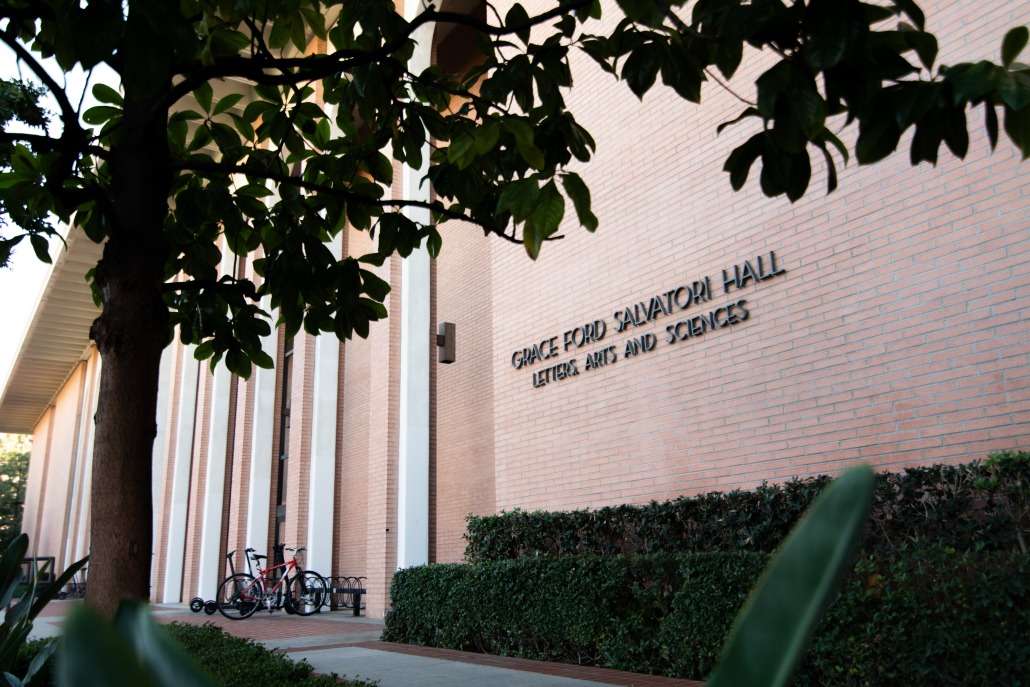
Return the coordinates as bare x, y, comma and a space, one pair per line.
277, 171
264, 127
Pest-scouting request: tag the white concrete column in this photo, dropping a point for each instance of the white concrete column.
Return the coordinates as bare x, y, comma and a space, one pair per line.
188, 379
259, 489
413, 454
210, 567
322, 472
165, 387
82, 536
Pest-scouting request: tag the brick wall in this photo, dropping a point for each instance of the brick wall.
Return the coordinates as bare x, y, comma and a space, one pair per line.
896, 336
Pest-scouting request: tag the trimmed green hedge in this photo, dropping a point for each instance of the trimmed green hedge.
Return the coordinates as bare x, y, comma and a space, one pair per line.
931, 617
982, 505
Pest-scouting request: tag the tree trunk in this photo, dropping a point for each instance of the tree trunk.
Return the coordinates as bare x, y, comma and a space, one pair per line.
130, 334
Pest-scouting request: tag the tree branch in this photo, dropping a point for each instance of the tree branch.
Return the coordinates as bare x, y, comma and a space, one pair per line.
270, 175
242, 287
50, 143
69, 116
312, 67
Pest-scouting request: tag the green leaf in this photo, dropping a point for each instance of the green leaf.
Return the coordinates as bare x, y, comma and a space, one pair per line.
380, 167
971, 81
1013, 44
204, 351
1013, 88
523, 133
373, 285
10, 568
579, 194
738, 164
1017, 126
434, 243
925, 45
40, 247
913, 12
204, 93
518, 15
519, 198
133, 650
105, 94
956, 134
226, 103
877, 138
991, 123
549, 211
94, 654
100, 114
828, 135
641, 69
772, 632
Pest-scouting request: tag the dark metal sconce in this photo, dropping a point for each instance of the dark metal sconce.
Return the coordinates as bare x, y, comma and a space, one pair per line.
445, 341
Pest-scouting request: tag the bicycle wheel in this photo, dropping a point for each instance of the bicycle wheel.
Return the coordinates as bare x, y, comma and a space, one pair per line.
305, 593
239, 596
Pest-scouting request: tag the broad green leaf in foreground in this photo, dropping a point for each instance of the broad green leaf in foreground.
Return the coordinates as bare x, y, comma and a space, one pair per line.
772, 631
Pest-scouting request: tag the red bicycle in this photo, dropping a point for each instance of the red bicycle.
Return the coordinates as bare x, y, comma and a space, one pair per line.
287, 584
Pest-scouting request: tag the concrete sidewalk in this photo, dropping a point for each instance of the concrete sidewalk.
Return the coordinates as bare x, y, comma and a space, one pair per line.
337, 642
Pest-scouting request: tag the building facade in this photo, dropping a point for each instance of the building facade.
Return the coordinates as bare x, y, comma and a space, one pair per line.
701, 340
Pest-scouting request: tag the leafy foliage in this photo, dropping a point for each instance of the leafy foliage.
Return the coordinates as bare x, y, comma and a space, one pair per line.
965, 507
14, 469
20, 613
930, 617
19, 106
228, 661
272, 174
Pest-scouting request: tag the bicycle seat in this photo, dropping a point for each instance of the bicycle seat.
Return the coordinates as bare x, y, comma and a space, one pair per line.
257, 556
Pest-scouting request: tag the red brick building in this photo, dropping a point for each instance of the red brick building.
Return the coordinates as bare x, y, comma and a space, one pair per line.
701, 340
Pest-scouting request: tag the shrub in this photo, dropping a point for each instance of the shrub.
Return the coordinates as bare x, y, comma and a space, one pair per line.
229, 661
926, 616
932, 617
234, 661
978, 506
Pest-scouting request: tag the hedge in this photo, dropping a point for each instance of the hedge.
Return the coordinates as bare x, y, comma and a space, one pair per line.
227, 660
984, 505
928, 617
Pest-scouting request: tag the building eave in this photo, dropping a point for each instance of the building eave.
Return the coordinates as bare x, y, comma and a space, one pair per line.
56, 340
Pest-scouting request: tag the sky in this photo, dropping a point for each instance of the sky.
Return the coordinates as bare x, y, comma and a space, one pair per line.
22, 283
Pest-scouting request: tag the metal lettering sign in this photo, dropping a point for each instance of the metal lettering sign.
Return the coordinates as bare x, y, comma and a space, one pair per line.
544, 354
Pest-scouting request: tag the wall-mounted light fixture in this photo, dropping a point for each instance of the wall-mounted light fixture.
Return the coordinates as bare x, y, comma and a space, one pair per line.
445, 342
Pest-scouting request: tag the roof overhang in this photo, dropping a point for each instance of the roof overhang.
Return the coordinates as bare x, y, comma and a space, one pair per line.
56, 340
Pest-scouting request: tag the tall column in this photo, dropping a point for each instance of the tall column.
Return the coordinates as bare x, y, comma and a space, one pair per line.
259, 488
183, 460
211, 565
324, 423
413, 453
79, 539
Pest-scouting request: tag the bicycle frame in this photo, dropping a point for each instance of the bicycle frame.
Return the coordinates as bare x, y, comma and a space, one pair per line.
265, 576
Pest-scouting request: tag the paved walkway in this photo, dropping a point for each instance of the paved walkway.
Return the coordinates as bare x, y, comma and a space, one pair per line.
339, 643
